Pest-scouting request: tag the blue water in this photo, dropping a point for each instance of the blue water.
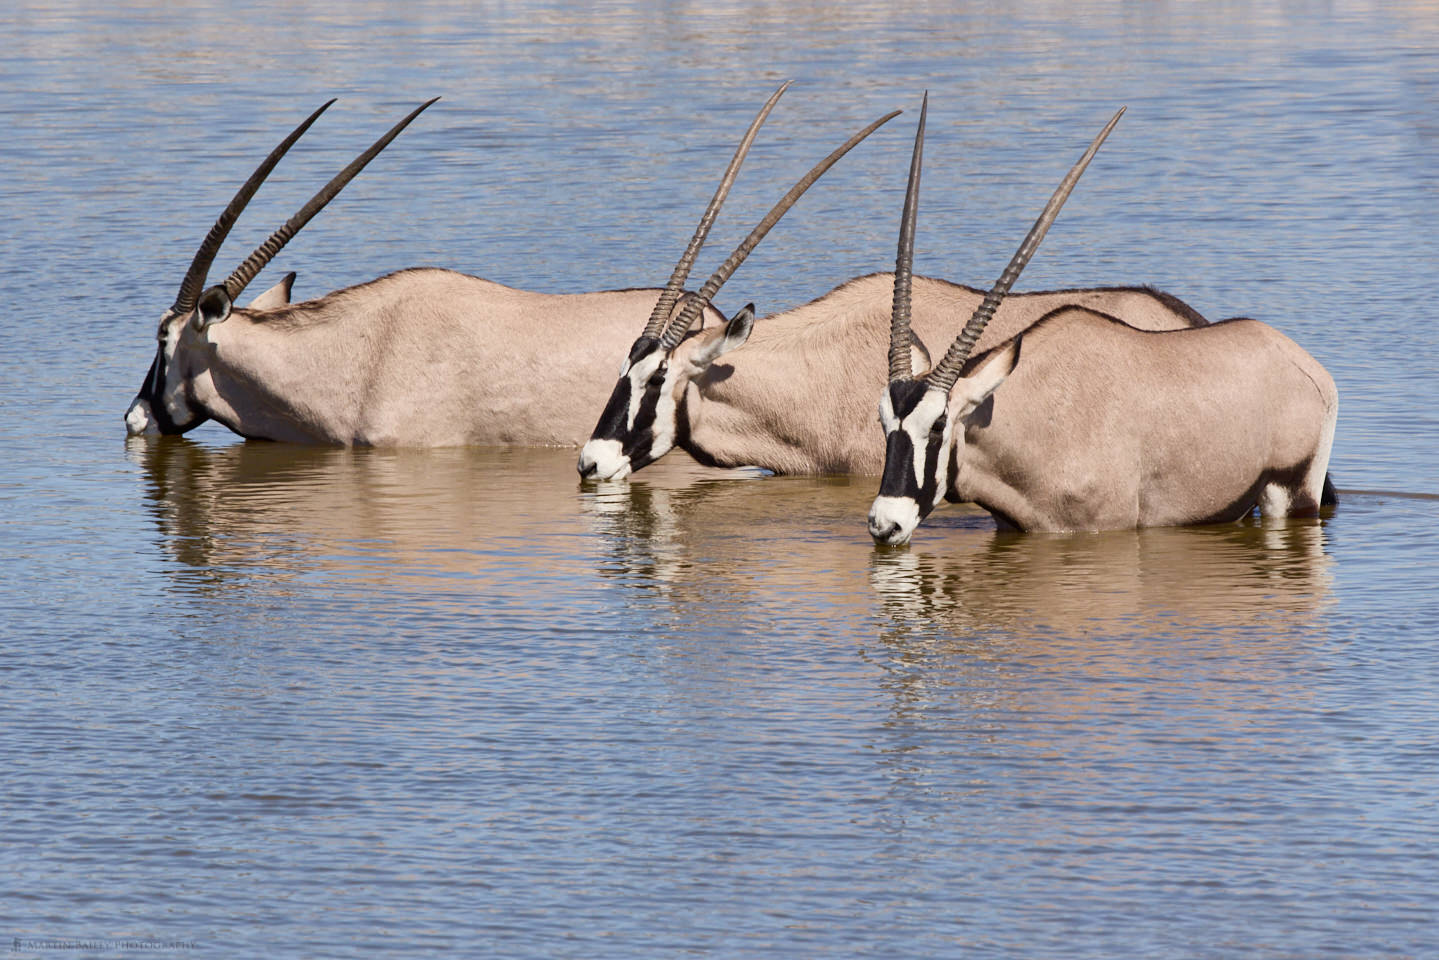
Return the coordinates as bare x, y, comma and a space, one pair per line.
267, 700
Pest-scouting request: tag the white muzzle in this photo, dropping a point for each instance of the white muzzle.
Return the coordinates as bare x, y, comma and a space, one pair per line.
603, 460
892, 519
139, 421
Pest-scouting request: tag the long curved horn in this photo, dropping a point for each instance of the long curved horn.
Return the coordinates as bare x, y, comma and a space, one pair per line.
676, 284
899, 338
194, 280
943, 376
681, 324
256, 262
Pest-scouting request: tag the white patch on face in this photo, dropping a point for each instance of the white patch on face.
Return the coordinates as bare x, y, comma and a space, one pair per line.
662, 433
893, 519
607, 458
887, 420
640, 375
139, 421
931, 407
172, 391
666, 416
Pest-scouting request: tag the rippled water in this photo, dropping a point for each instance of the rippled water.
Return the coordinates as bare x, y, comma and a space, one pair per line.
267, 700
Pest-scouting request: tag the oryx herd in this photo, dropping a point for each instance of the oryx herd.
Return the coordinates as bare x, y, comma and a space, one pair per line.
1069, 410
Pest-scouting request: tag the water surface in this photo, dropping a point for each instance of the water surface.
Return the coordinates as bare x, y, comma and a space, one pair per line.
269, 700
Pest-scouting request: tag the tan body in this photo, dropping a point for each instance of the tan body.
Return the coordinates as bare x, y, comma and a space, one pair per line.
421, 358
1084, 422
798, 396
1100, 426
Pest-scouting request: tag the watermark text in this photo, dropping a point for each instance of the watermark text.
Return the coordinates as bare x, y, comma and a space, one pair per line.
95, 945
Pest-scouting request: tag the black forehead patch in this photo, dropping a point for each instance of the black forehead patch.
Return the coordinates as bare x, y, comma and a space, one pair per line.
904, 396
643, 347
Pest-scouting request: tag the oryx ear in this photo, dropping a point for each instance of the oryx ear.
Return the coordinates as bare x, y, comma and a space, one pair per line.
213, 307
275, 297
969, 392
919, 359
736, 332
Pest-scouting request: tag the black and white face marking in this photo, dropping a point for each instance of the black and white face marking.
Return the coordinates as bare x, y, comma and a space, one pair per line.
638, 424
161, 406
919, 425
918, 436
164, 404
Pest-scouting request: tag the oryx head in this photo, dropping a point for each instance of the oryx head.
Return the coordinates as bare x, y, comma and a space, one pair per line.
924, 418
166, 403
641, 421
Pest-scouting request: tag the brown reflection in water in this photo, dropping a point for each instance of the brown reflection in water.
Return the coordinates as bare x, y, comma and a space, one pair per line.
514, 518
975, 633
796, 540
697, 535
1163, 580
982, 657
1101, 648
273, 510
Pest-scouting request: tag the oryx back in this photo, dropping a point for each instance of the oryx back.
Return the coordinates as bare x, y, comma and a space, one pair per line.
798, 397
1101, 426
422, 357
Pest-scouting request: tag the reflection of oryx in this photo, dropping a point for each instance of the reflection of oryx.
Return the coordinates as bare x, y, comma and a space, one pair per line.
1228, 579
1082, 422
797, 398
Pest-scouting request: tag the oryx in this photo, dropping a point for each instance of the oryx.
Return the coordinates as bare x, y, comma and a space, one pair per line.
239, 372
1085, 423
422, 357
797, 398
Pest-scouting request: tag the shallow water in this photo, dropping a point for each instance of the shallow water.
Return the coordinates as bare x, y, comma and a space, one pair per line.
286, 701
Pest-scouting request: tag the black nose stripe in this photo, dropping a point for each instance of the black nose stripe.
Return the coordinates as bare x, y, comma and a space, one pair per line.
637, 440
898, 479
614, 420
153, 393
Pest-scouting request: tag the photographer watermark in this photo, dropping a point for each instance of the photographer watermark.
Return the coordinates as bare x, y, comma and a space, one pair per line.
96, 944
